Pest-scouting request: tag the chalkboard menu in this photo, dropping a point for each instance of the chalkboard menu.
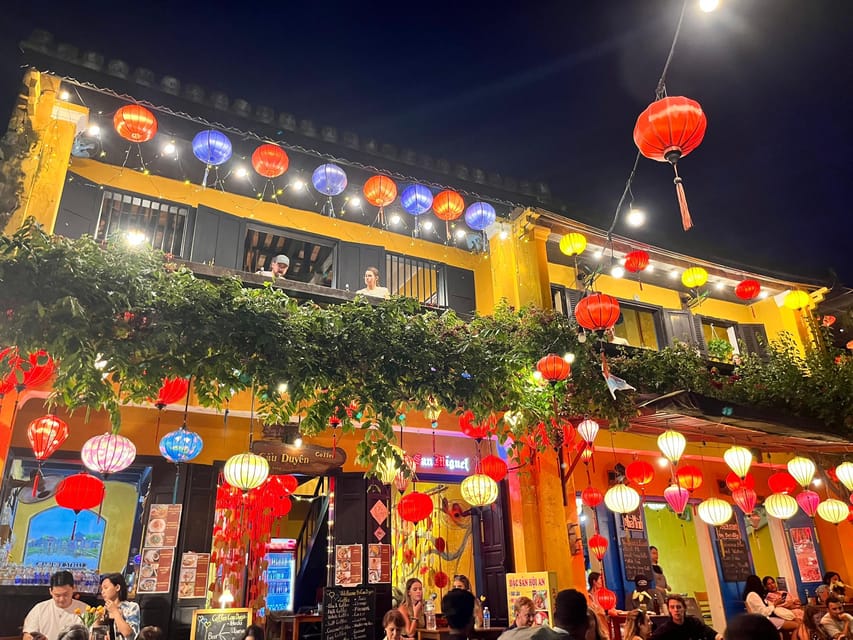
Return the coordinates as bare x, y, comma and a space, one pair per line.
220, 624
636, 558
349, 613
734, 556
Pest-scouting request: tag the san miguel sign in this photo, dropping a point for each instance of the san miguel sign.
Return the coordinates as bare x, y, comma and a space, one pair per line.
308, 459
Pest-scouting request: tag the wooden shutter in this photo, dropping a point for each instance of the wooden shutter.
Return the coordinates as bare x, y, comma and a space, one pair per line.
754, 338
461, 293
353, 260
218, 238
79, 208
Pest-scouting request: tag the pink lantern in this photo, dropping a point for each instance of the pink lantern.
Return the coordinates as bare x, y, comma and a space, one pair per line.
808, 501
108, 453
676, 497
745, 498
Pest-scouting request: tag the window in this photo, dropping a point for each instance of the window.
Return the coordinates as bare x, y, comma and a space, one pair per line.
312, 259
639, 326
422, 280
161, 224
721, 339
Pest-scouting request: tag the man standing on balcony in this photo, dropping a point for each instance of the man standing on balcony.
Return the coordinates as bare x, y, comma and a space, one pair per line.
278, 268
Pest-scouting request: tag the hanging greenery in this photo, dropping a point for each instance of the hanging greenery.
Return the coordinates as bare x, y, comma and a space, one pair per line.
120, 319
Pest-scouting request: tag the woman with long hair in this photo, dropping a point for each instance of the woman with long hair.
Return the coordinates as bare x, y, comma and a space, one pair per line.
595, 582
412, 608
754, 598
637, 625
123, 614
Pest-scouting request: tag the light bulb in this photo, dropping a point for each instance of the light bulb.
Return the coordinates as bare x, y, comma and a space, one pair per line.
298, 185
636, 217
297, 442
503, 235
395, 219
460, 233
616, 271
241, 172
64, 95
709, 5
428, 225
135, 238
93, 130
355, 201
168, 149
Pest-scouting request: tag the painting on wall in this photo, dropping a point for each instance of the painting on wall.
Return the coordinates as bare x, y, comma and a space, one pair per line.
49, 539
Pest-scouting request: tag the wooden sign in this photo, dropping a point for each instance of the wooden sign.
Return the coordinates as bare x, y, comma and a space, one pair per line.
308, 459
349, 613
220, 624
734, 556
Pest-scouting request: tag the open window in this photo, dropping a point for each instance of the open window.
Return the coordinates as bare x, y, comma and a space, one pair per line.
312, 258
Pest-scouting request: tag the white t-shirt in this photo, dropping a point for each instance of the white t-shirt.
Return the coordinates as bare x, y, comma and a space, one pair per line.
50, 620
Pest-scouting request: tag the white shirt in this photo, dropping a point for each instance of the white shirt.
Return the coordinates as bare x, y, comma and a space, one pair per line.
48, 619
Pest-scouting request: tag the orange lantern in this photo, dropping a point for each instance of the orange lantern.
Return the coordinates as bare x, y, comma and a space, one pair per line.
597, 311
135, 123
640, 472
380, 191
46, 435
668, 130
553, 368
270, 160
448, 205
598, 546
689, 477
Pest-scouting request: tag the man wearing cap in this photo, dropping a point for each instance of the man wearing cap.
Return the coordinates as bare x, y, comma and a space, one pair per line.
278, 268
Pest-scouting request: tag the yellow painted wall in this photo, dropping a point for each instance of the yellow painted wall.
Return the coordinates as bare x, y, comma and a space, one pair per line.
119, 513
679, 550
763, 554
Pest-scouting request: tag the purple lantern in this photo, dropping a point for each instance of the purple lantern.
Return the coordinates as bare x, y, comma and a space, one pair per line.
108, 453
329, 179
480, 216
416, 199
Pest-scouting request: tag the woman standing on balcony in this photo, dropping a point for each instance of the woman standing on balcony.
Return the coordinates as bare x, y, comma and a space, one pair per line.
371, 285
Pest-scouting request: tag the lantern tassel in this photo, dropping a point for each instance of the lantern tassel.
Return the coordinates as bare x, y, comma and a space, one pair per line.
686, 221
74, 526
36, 480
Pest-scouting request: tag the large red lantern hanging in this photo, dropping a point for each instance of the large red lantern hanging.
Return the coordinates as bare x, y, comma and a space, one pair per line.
636, 261
448, 205
415, 506
78, 493
690, 477
640, 472
592, 496
493, 467
270, 160
598, 546
473, 429
734, 482
745, 498
553, 368
606, 598
782, 482
380, 191
135, 123
46, 435
597, 311
668, 130
172, 390
748, 289
283, 485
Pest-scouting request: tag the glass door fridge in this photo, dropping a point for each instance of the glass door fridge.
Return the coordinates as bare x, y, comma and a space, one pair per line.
280, 574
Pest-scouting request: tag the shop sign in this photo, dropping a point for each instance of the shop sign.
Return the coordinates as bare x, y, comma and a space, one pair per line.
442, 463
540, 586
308, 459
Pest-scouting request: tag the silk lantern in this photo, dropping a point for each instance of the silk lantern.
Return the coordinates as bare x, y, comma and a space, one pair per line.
796, 300
172, 390
844, 472
181, 445
135, 123
108, 453
480, 216
414, 507
636, 261
416, 199
715, 511
592, 497
672, 445
621, 499
606, 598
734, 482
388, 468
270, 161
448, 205
748, 289
479, 490
676, 497
640, 472
79, 492
380, 191
598, 546
802, 470
597, 311
494, 467
668, 130
781, 506
212, 148
781, 482
690, 477
588, 430
808, 501
573, 244
739, 460
833, 511
694, 277
745, 498
329, 179
553, 368
46, 435
246, 471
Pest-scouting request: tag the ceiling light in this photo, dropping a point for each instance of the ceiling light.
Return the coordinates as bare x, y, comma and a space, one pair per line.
673, 274
597, 255
241, 172
428, 225
355, 201
395, 219
460, 233
709, 5
94, 130
168, 148
635, 217
297, 184
718, 285
504, 234
662, 462
135, 238
64, 95
569, 357
763, 294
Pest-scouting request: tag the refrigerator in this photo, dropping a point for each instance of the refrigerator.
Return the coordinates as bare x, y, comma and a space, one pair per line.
280, 574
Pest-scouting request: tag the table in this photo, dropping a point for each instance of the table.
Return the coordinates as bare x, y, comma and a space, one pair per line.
290, 625
443, 634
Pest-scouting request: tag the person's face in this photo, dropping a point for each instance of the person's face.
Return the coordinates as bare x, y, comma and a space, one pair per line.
833, 580
835, 610
655, 555
524, 617
416, 592
645, 628
393, 632
823, 595
279, 268
598, 583
458, 584
676, 611
369, 279
62, 596
770, 585
109, 591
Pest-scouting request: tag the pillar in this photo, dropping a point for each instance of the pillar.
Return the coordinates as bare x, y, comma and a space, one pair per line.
520, 263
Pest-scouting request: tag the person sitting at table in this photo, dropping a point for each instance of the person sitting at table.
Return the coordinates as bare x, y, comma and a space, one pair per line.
122, 614
253, 632
462, 582
754, 599
522, 626
458, 608
412, 607
595, 581
49, 618
681, 626
74, 632
638, 625
751, 626
836, 624
394, 623
571, 621
810, 629
833, 581
779, 598
822, 593
278, 268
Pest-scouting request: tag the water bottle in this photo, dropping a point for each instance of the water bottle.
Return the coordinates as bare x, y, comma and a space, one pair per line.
429, 614
487, 618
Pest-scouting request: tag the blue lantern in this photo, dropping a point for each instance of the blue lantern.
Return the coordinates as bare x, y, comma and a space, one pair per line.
212, 147
480, 216
181, 445
416, 199
329, 179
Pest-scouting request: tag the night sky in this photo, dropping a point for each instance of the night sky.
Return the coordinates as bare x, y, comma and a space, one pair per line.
543, 90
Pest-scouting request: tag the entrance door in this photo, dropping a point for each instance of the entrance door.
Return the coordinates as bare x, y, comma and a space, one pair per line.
734, 562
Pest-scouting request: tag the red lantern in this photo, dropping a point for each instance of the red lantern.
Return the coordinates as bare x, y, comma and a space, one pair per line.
586, 452
597, 311
606, 598
282, 485
415, 506
676, 497
448, 205
172, 390
734, 482
472, 429
748, 289
598, 546
592, 496
640, 472
553, 368
380, 191
440, 579
636, 261
493, 467
79, 492
808, 501
668, 130
745, 498
135, 123
690, 477
41, 368
828, 321
270, 160
46, 435
782, 482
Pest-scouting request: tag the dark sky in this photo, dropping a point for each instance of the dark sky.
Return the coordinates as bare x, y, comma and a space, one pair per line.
542, 90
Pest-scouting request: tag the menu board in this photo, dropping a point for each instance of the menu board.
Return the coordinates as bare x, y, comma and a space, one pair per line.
636, 558
220, 624
378, 563
164, 524
349, 613
155, 570
192, 580
734, 556
348, 565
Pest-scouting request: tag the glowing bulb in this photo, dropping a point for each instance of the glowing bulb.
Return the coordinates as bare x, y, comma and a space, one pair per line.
817, 482
763, 294
616, 271
503, 235
64, 95
636, 217
135, 238
395, 219
709, 5
355, 201
298, 442
718, 285
169, 148
94, 130
569, 357
662, 462
461, 233
597, 255
673, 274
282, 388
225, 598
297, 184
241, 172
428, 225
537, 375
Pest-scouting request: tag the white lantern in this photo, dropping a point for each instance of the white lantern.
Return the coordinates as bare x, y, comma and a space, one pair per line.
388, 468
844, 471
479, 490
802, 469
833, 510
715, 511
739, 460
246, 471
672, 445
587, 430
621, 498
781, 506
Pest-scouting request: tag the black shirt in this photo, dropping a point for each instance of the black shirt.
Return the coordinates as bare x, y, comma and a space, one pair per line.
692, 629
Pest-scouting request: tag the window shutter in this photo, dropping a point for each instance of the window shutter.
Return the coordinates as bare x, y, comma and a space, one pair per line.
79, 208
754, 338
218, 238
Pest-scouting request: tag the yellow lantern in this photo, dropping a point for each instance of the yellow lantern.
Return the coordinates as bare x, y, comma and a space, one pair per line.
621, 498
672, 445
715, 511
739, 460
479, 490
388, 468
694, 277
844, 471
797, 299
246, 471
587, 430
802, 470
833, 510
781, 506
573, 244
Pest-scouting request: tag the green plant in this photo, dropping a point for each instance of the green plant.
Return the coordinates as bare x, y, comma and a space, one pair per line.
720, 350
